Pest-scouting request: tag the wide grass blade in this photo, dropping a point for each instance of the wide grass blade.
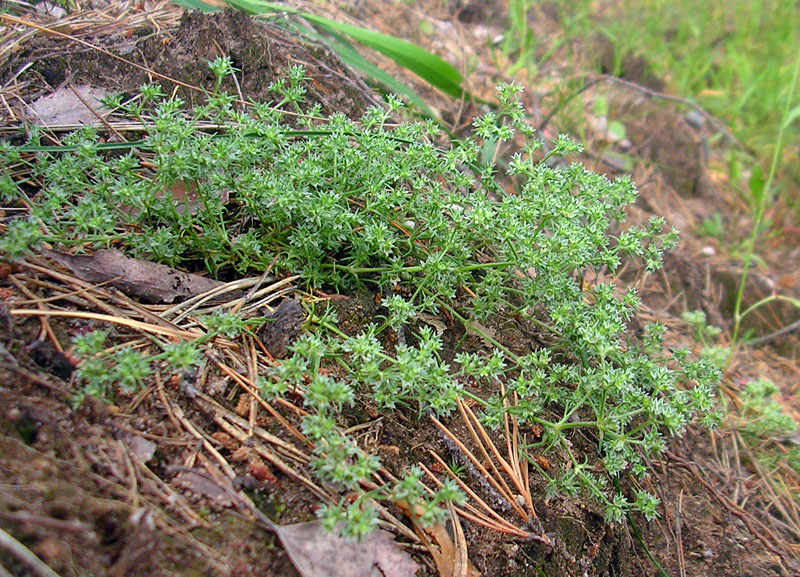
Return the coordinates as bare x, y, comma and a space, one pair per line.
424, 64
353, 58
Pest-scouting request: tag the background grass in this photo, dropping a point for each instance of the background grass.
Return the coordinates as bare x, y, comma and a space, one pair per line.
735, 58
739, 60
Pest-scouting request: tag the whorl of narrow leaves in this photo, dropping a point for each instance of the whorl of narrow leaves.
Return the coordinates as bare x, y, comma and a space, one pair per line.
349, 204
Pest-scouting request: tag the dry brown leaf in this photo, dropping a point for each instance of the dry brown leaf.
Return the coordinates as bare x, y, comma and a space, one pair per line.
144, 449
148, 281
433, 321
316, 552
477, 329
450, 560
64, 107
283, 327
185, 195
447, 557
203, 486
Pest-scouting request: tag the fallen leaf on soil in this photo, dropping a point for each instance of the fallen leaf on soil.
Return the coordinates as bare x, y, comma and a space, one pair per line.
151, 282
446, 555
433, 321
144, 449
477, 329
313, 550
203, 486
282, 327
184, 194
316, 552
65, 107
50, 9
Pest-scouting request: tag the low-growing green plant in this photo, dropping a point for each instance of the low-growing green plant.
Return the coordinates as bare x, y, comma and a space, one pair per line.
765, 417
713, 226
765, 425
353, 204
102, 373
706, 336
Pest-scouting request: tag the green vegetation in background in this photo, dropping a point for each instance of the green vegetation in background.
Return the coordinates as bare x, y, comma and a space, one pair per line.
769, 430
763, 197
351, 204
739, 60
522, 48
734, 58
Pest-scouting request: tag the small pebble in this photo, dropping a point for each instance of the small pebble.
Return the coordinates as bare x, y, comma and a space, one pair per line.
694, 119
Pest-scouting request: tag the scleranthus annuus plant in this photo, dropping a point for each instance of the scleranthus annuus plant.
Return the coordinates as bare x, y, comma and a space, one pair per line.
351, 204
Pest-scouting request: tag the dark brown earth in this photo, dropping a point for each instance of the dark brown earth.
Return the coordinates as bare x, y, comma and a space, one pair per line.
124, 489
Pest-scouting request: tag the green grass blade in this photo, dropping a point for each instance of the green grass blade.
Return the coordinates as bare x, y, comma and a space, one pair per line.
791, 116
199, 5
424, 64
352, 57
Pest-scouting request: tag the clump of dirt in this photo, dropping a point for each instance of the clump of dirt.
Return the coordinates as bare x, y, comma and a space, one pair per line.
662, 136
261, 52
632, 67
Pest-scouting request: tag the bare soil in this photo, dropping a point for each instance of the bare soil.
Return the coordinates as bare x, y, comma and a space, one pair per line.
127, 489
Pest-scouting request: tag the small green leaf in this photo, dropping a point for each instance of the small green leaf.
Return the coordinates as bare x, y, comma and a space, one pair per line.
426, 28
793, 115
616, 130
756, 184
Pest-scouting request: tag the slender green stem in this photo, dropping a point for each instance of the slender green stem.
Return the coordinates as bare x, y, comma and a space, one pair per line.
563, 426
372, 270
415, 268
484, 335
540, 323
767, 300
765, 197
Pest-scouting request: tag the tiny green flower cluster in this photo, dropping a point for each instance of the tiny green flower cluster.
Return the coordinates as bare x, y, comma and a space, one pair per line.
103, 373
348, 204
766, 424
338, 460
